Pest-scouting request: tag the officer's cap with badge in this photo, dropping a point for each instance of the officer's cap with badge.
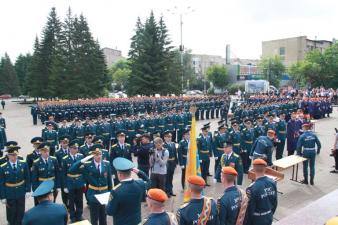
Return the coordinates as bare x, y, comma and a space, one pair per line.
98, 140
65, 138
120, 134
11, 144
74, 143
222, 126
167, 133
89, 134
247, 120
44, 146
48, 123
44, 188
36, 140
234, 122
123, 164
96, 149
186, 131
227, 144
13, 150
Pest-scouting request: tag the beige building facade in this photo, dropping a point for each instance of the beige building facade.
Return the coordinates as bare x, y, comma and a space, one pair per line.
111, 56
292, 50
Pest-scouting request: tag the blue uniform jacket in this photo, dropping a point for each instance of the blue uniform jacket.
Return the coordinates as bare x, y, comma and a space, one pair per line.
190, 212
262, 148
41, 172
182, 152
71, 180
308, 142
229, 205
125, 200
14, 184
46, 213
262, 196
234, 161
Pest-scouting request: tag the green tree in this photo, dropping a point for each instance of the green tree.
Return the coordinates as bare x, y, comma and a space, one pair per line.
272, 69
218, 75
9, 83
22, 68
120, 73
32, 81
152, 65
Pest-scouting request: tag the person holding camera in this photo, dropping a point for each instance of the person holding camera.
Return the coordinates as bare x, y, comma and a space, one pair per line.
142, 151
158, 164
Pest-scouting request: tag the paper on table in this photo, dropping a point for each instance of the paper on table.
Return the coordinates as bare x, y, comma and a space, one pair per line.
103, 198
83, 222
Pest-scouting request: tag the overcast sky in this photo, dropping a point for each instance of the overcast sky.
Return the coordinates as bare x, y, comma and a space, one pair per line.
243, 24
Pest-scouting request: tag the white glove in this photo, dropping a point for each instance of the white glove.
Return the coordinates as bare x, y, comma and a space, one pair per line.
4, 201
65, 190
182, 167
86, 158
216, 158
27, 195
113, 176
58, 189
200, 161
214, 180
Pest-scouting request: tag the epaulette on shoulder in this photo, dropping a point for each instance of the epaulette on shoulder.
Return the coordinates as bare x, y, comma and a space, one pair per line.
114, 145
87, 162
4, 164
184, 205
106, 161
2, 157
244, 129
235, 154
105, 150
65, 157
52, 157
231, 132
117, 186
20, 157
79, 153
23, 161
82, 146
37, 160
255, 126
127, 144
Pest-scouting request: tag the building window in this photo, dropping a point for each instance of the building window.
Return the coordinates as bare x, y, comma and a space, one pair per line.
282, 51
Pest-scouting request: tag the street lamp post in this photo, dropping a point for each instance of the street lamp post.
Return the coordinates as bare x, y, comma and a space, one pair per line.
181, 12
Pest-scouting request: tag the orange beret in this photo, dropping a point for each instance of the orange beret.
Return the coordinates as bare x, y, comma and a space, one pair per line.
197, 180
157, 195
259, 162
229, 170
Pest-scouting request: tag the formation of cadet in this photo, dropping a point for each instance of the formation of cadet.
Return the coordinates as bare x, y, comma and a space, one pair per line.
208, 107
3, 136
79, 159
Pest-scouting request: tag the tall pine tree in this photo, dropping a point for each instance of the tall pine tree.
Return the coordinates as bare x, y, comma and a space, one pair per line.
9, 83
21, 68
151, 59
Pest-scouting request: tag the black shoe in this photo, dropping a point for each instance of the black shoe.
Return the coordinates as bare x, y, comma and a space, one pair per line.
209, 175
172, 194
311, 182
334, 171
305, 181
207, 185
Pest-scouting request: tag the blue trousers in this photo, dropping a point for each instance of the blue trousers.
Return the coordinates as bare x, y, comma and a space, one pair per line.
311, 156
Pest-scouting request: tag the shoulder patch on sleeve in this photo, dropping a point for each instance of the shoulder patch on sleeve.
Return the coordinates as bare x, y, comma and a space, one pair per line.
114, 145
53, 157
37, 160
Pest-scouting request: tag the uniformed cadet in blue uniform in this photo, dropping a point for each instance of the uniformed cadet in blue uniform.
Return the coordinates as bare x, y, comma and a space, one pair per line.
35, 154
51, 137
281, 135
156, 199
84, 149
306, 147
8, 145
182, 154
46, 212
219, 139
120, 149
235, 137
64, 129
98, 140
200, 209
62, 152
204, 151
2, 121
233, 203
259, 129
125, 199
44, 168
247, 139
3, 140
292, 134
14, 184
262, 147
262, 196
171, 163
97, 173
78, 131
73, 183
230, 158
